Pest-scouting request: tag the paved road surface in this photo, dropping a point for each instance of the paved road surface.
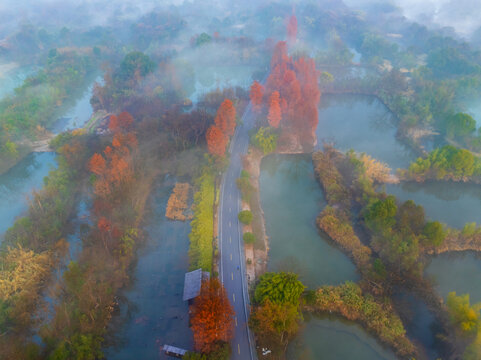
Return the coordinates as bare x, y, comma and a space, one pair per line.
232, 265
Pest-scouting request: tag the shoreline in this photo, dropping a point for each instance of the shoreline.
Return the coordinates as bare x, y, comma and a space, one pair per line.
42, 145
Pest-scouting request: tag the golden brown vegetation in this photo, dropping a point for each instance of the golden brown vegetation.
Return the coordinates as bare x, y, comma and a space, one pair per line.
349, 301
177, 204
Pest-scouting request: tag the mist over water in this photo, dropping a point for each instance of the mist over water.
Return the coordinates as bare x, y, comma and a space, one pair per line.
461, 15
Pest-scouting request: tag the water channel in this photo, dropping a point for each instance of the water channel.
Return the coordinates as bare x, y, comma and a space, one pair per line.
153, 313
17, 184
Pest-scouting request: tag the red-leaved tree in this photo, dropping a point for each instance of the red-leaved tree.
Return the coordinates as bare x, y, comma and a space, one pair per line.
275, 114
216, 141
296, 83
292, 28
212, 316
225, 118
97, 164
256, 94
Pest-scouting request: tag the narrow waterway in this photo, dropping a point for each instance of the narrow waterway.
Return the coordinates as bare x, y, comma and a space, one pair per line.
17, 184
152, 312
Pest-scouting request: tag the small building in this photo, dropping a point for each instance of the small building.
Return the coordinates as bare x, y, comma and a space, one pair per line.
193, 282
174, 351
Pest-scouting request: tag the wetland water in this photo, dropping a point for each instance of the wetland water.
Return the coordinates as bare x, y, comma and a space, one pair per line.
17, 184
328, 338
153, 313
291, 200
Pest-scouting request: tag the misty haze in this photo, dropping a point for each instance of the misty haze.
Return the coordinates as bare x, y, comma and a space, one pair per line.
214, 180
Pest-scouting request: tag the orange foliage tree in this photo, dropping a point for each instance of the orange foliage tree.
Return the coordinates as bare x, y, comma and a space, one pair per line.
216, 141
97, 164
279, 56
115, 169
121, 122
275, 114
212, 316
256, 94
299, 93
225, 118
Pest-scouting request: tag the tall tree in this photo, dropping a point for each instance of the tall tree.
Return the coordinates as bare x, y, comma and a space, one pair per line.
225, 118
275, 114
256, 94
216, 141
292, 28
97, 164
275, 322
212, 316
279, 55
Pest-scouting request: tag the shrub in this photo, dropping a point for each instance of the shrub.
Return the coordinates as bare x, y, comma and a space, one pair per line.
249, 238
245, 217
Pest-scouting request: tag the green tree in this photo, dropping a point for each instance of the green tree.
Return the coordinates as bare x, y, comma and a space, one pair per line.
194, 356
245, 186
265, 139
203, 39
135, 63
381, 213
434, 233
249, 238
79, 347
275, 322
245, 217
279, 288
462, 313
460, 125
410, 218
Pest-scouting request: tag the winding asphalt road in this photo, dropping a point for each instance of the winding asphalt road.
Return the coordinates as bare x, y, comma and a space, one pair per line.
232, 265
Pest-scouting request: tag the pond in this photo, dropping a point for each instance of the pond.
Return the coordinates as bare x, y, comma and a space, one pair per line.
153, 313
454, 204
329, 338
219, 77
291, 199
460, 272
364, 124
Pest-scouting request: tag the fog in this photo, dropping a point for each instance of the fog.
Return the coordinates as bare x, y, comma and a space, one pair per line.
196, 96
462, 15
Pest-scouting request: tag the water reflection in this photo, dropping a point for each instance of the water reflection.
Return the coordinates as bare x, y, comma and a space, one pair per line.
364, 124
291, 200
329, 338
17, 184
452, 203
153, 313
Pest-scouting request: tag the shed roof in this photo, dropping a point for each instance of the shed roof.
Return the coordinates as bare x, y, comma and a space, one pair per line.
174, 350
193, 282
